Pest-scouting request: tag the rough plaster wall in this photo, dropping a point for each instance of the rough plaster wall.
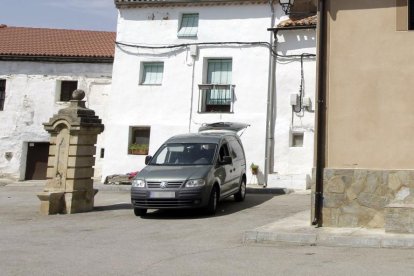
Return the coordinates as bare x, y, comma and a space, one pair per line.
166, 108
30, 101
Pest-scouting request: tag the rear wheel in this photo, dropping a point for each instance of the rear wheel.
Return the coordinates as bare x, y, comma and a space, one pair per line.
212, 202
140, 212
241, 194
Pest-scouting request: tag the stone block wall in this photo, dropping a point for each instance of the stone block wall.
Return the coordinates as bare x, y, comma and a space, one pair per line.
358, 197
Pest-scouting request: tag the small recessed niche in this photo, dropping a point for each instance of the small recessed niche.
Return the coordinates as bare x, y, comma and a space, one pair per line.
297, 140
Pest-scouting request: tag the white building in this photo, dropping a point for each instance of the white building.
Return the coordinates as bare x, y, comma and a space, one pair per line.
39, 68
181, 63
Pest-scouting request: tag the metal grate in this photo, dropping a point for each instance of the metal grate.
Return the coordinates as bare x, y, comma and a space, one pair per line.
170, 184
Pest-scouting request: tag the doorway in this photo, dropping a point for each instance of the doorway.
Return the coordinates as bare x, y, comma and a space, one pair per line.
36, 164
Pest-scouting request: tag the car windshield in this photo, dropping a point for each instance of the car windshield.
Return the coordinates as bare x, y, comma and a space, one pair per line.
179, 154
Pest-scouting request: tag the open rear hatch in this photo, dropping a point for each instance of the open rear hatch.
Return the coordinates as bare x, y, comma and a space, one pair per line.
223, 127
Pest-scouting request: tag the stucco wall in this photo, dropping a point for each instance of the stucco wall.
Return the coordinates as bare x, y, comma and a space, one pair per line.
172, 108
370, 63
31, 99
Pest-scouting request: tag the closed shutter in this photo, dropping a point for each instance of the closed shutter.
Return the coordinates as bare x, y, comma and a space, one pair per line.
219, 71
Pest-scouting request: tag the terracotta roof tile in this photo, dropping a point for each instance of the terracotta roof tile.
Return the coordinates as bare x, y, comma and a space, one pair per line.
292, 22
39, 42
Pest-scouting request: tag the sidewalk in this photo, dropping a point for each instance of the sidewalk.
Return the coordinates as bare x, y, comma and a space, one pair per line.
297, 230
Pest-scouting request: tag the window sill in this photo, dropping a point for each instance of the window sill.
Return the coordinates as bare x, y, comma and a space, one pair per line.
150, 84
187, 36
215, 112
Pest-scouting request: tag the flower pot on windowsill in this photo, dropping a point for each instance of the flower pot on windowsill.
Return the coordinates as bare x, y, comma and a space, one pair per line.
138, 149
138, 152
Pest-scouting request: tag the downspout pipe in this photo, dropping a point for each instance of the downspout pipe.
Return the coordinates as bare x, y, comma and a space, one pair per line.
321, 112
270, 113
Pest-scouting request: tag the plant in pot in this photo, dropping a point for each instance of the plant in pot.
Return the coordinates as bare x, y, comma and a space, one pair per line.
254, 168
138, 149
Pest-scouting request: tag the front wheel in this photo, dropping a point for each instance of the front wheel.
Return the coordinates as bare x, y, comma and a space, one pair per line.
241, 194
140, 212
212, 202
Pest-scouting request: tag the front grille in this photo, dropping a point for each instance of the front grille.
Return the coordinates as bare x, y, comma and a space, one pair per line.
170, 184
163, 203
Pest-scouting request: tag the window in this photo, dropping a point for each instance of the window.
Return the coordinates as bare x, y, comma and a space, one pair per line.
152, 73
218, 94
139, 140
411, 14
297, 140
66, 90
405, 15
2, 94
189, 25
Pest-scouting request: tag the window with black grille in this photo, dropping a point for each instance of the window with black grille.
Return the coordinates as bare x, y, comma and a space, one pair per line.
2, 93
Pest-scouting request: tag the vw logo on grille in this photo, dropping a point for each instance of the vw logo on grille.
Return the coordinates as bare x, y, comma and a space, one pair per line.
163, 184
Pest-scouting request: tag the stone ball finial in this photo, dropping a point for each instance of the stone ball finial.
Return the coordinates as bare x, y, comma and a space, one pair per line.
78, 95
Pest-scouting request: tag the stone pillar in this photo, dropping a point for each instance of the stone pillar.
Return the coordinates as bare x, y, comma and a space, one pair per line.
69, 185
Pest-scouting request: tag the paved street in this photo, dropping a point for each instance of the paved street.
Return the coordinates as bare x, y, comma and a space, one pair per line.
112, 241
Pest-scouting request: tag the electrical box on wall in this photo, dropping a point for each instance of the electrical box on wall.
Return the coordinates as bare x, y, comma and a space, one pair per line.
294, 99
307, 102
194, 50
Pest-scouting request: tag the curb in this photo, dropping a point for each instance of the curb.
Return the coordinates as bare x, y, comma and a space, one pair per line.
297, 230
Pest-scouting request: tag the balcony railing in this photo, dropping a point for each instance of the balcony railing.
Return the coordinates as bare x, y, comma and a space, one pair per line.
216, 98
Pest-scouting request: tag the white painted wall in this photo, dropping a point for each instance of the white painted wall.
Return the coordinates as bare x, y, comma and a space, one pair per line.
31, 91
171, 108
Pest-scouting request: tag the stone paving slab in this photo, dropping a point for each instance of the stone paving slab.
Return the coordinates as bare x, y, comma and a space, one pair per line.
296, 229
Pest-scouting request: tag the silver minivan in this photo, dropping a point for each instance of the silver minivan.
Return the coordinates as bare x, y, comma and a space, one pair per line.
193, 171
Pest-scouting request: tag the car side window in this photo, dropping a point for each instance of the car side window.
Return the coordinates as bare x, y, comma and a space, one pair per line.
224, 151
232, 149
237, 149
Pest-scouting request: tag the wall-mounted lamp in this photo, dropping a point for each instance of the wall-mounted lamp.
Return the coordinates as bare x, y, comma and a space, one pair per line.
286, 5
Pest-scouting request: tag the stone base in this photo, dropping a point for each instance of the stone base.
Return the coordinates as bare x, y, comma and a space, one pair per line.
51, 203
358, 197
66, 202
399, 218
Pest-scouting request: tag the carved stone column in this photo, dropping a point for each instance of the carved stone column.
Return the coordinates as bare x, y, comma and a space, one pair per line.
69, 186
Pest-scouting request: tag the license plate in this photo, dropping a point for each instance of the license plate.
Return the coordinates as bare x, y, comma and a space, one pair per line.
162, 194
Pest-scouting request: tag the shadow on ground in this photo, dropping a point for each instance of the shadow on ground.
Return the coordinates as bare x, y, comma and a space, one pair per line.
226, 207
120, 206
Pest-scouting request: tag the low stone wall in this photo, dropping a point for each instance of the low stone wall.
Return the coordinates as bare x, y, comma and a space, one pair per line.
357, 197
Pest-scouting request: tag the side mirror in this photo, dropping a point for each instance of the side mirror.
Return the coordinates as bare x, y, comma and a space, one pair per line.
226, 160
148, 159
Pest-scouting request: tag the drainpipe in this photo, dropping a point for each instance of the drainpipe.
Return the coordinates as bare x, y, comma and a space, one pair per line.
320, 112
270, 114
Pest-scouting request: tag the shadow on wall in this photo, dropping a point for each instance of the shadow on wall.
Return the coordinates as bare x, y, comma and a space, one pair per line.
296, 40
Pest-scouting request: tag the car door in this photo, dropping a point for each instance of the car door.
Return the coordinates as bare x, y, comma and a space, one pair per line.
224, 171
239, 163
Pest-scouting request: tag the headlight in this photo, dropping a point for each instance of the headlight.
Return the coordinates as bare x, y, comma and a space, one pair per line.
138, 183
195, 183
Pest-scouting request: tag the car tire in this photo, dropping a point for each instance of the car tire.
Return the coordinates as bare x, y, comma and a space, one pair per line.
241, 194
212, 202
140, 212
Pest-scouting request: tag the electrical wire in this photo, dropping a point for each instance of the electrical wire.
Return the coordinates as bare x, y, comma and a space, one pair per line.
182, 45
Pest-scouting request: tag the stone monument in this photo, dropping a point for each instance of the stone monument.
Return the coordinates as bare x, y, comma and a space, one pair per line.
69, 186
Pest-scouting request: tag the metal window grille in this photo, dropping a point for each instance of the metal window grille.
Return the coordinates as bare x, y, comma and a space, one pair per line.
153, 73
216, 97
189, 25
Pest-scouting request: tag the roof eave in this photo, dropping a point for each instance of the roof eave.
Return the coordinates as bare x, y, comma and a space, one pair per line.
292, 28
56, 59
182, 2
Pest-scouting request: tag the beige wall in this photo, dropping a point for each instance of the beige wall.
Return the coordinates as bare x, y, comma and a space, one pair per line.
370, 86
